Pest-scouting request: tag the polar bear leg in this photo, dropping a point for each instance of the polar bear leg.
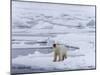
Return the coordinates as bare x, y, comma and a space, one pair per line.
64, 56
55, 57
60, 56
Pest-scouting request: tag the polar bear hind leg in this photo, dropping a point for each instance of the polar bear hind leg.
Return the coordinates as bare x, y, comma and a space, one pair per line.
64, 57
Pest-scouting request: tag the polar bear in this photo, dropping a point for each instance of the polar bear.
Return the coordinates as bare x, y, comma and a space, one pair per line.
60, 52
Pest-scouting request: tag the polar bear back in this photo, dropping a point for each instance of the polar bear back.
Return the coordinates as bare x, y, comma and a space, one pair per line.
60, 48
63, 49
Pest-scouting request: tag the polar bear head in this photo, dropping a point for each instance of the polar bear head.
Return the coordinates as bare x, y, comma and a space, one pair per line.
55, 44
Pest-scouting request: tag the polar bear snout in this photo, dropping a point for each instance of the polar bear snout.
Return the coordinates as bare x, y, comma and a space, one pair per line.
54, 45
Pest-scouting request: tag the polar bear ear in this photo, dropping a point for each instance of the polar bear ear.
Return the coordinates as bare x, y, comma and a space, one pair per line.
55, 42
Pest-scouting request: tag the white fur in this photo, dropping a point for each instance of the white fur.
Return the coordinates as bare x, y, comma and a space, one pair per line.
60, 50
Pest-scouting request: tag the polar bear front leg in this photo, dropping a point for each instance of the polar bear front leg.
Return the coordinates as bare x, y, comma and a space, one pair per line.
60, 57
55, 57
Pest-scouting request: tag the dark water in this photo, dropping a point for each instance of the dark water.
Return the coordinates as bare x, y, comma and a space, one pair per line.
46, 50
25, 51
